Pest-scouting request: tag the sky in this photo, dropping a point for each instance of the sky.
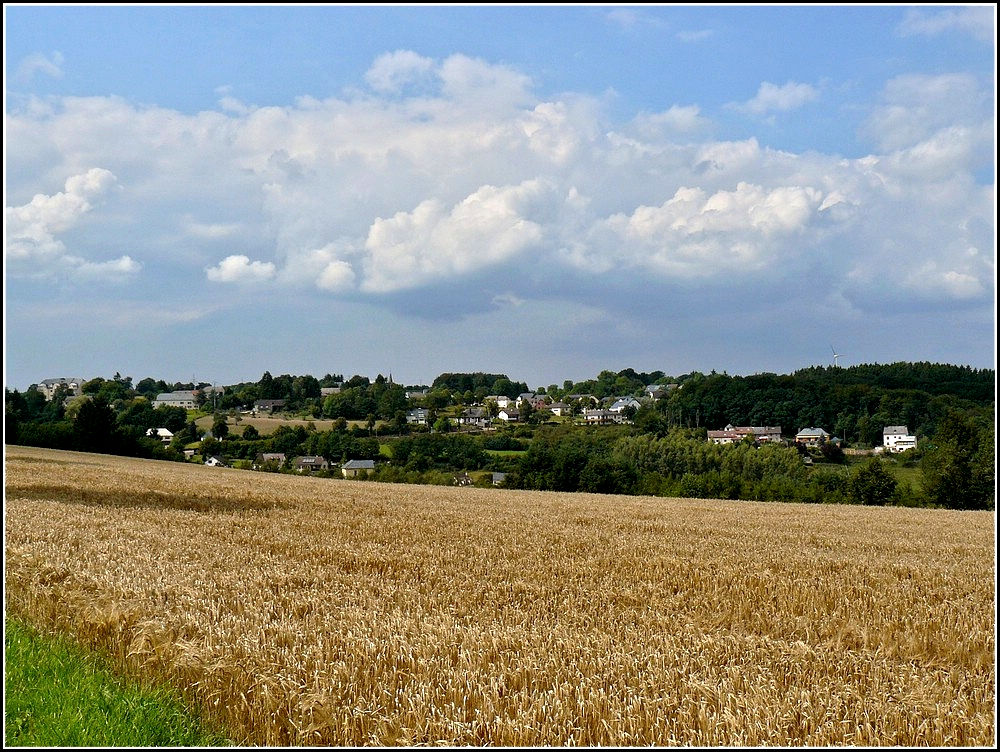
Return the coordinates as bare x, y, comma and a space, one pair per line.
205, 193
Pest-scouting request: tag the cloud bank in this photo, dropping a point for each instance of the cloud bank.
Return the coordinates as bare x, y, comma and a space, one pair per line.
33, 247
452, 177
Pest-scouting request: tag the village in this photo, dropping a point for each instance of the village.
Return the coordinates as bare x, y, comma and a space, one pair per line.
807, 436
500, 409
497, 410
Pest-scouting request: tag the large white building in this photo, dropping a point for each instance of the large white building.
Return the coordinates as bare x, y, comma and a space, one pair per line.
897, 439
48, 386
185, 399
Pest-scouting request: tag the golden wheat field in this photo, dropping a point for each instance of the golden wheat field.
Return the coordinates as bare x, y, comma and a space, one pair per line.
302, 611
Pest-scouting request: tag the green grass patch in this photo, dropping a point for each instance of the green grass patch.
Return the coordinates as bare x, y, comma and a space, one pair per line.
57, 695
506, 452
912, 476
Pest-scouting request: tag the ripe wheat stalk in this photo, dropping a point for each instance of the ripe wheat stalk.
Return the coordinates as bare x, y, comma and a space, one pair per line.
302, 611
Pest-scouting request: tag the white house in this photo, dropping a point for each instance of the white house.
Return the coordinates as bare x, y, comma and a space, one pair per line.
560, 408
621, 404
897, 439
600, 417
351, 468
162, 434
417, 416
509, 415
48, 386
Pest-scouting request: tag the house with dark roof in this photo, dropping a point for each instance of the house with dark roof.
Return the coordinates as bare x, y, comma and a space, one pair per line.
310, 464
417, 416
478, 417
269, 461
657, 391
268, 405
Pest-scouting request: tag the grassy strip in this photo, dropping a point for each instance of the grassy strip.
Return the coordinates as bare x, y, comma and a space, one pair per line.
58, 696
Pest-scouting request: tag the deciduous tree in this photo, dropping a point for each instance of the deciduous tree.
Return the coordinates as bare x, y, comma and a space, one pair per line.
872, 484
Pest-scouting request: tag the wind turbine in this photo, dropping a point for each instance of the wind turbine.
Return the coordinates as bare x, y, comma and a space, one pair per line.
835, 356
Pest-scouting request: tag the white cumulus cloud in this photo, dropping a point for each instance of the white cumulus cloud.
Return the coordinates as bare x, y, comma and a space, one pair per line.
33, 245
336, 276
698, 235
434, 241
241, 269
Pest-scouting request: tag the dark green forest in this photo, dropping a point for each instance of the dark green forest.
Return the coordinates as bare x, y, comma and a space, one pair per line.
661, 449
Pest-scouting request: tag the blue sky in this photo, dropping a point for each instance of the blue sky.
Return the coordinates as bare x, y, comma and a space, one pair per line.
212, 192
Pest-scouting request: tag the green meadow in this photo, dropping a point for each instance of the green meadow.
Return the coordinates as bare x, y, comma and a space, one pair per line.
57, 695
